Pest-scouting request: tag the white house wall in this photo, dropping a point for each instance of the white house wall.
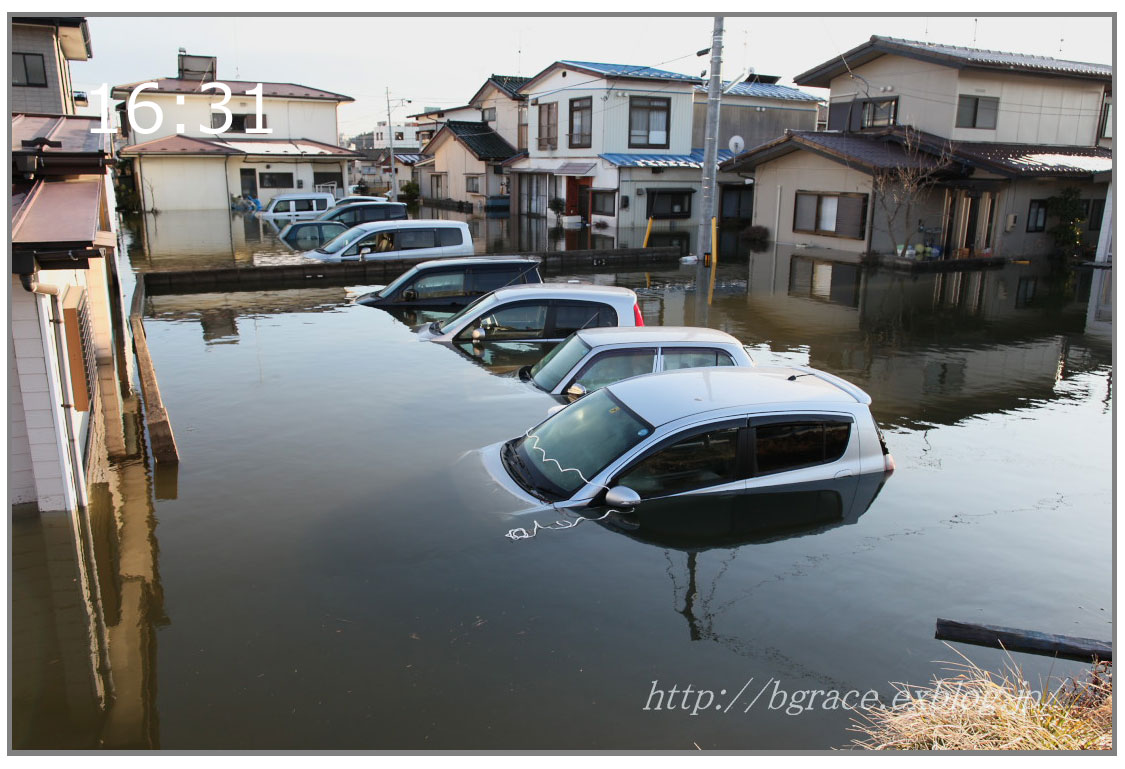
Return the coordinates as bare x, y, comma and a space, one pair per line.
288, 118
507, 113
455, 161
177, 184
927, 93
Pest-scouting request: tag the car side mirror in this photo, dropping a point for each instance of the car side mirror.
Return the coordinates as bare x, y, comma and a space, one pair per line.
479, 334
576, 391
409, 295
622, 496
365, 250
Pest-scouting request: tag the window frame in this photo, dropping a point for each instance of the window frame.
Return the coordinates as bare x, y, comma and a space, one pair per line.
548, 119
475, 179
651, 107
583, 104
488, 114
816, 218
974, 117
652, 193
754, 422
620, 352
867, 117
1038, 223
23, 61
239, 121
612, 208
552, 325
689, 348
465, 333
266, 179
1097, 211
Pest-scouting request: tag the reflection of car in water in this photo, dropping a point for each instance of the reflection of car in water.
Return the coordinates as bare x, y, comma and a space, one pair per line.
595, 357
679, 441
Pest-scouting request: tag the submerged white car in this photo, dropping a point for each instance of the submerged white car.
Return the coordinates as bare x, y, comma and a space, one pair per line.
680, 439
595, 357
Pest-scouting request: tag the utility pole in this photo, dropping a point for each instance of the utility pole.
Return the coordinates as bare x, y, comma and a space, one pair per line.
710, 155
391, 144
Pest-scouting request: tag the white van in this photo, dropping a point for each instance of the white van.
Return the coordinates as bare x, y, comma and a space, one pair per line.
401, 239
299, 205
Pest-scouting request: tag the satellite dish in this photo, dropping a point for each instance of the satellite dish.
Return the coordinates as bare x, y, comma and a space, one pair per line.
736, 144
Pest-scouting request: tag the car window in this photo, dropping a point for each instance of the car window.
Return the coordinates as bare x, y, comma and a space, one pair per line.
450, 236
582, 440
302, 205
574, 316
469, 311
439, 285
349, 217
304, 237
788, 446
405, 240
556, 364
694, 358
485, 280
518, 321
281, 207
321, 204
615, 365
695, 462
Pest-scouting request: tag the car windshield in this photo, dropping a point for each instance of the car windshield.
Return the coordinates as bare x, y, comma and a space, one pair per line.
580, 441
343, 240
398, 282
451, 322
556, 364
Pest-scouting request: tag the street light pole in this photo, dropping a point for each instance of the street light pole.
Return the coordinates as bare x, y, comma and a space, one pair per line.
391, 144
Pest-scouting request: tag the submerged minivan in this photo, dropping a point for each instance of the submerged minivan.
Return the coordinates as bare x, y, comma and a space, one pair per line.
299, 205
452, 283
407, 239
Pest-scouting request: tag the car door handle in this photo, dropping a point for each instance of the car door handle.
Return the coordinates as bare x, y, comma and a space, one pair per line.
843, 474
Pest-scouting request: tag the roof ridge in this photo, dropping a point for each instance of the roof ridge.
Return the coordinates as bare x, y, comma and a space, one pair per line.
931, 45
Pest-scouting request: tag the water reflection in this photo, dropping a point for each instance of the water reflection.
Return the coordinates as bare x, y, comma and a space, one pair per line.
86, 603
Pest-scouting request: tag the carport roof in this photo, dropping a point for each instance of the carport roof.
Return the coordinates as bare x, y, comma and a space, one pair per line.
190, 145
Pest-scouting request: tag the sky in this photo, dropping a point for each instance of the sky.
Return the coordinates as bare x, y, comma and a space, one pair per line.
441, 61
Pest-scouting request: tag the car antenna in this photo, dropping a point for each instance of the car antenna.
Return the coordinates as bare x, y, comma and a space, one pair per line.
520, 275
793, 377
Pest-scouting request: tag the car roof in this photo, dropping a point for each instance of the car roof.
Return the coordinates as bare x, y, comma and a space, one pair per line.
563, 291
471, 261
371, 203
667, 396
292, 195
387, 223
596, 337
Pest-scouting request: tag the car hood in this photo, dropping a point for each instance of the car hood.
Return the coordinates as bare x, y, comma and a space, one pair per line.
484, 486
424, 332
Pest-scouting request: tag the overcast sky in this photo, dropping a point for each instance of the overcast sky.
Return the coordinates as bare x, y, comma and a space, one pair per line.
442, 61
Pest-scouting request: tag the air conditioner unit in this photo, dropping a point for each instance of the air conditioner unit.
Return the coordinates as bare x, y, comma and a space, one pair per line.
1011, 223
534, 102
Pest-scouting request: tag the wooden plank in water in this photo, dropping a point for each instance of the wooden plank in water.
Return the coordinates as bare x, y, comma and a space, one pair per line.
1030, 641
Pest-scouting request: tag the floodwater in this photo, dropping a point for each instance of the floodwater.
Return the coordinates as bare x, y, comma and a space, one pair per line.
322, 572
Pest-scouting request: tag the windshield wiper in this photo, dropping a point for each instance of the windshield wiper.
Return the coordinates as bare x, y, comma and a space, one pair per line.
523, 477
435, 327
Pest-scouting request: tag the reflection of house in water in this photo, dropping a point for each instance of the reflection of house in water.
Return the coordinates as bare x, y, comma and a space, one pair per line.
195, 240
86, 602
218, 313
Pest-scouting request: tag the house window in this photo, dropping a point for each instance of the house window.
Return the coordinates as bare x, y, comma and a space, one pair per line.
488, 115
1107, 121
521, 128
1097, 210
238, 123
837, 214
580, 112
549, 126
977, 111
437, 188
399, 136
648, 121
29, 69
1037, 216
883, 112
669, 204
602, 201
275, 180
472, 184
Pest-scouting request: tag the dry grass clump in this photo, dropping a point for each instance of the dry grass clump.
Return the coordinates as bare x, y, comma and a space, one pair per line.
978, 710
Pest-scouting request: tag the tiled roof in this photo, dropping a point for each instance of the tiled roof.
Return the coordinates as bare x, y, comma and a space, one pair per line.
1036, 159
73, 132
481, 140
626, 70
237, 87
765, 91
866, 151
648, 160
952, 56
509, 84
189, 145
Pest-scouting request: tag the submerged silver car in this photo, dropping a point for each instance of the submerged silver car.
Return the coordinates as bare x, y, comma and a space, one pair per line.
680, 439
594, 357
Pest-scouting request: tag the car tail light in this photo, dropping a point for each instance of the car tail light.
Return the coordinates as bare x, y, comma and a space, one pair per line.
638, 319
888, 464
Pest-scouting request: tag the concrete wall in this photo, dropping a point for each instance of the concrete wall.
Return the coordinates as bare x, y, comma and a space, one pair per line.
57, 97
173, 184
288, 118
808, 172
756, 120
1032, 110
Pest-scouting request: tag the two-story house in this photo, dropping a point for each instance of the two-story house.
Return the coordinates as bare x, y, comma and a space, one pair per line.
200, 150
940, 147
41, 48
469, 145
621, 144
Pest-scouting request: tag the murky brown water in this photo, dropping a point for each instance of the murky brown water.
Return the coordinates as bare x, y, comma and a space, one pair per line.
321, 573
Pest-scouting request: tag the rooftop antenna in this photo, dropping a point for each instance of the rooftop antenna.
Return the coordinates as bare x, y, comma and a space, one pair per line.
1060, 45
975, 31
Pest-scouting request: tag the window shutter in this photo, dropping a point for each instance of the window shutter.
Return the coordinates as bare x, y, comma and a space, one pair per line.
804, 214
851, 216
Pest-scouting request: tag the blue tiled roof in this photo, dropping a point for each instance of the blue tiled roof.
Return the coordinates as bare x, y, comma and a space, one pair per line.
648, 160
626, 70
765, 91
